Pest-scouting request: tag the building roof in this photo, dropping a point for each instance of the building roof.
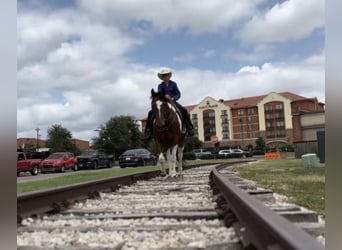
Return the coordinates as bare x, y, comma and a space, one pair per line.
253, 101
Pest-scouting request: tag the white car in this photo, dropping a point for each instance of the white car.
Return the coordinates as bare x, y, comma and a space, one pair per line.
234, 153
200, 152
225, 152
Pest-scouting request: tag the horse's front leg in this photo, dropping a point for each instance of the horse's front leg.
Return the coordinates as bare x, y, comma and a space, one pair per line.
172, 160
161, 163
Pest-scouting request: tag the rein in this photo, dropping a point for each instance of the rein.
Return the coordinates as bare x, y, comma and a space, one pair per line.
169, 120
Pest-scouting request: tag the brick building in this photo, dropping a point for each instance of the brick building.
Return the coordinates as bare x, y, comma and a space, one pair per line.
276, 117
33, 143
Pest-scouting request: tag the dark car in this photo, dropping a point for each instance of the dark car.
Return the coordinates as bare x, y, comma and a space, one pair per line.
137, 157
94, 159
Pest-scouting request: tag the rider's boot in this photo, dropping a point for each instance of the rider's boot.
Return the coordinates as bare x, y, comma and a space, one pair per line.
148, 135
191, 131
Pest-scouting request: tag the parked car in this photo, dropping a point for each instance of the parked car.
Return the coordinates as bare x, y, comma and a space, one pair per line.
225, 152
199, 153
94, 159
27, 162
35, 155
137, 157
235, 153
59, 162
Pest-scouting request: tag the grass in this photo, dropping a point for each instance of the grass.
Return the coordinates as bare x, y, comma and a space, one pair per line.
302, 186
79, 178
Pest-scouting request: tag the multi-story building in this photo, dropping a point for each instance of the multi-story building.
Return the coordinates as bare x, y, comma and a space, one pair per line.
240, 122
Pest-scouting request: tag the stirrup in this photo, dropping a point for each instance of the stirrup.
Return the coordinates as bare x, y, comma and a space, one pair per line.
190, 132
148, 135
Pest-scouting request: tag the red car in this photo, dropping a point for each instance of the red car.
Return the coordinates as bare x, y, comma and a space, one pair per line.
59, 162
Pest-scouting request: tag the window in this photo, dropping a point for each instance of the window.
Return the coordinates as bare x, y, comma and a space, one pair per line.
250, 119
279, 106
209, 124
268, 108
274, 119
269, 116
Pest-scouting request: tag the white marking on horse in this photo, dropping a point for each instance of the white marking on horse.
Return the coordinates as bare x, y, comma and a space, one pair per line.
159, 103
178, 116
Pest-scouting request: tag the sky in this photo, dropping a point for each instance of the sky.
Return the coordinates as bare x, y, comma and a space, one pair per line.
79, 63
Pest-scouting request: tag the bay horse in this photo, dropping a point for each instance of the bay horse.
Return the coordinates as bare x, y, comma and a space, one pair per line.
167, 131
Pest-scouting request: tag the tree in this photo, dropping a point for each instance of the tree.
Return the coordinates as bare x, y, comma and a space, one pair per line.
60, 139
118, 134
260, 144
192, 143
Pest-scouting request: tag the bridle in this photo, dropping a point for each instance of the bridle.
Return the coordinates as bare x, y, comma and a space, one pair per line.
170, 119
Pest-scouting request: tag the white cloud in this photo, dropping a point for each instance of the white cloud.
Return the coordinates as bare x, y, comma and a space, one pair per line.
258, 52
74, 69
288, 21
197, 17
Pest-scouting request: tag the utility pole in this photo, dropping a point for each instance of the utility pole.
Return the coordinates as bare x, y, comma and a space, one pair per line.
37, 143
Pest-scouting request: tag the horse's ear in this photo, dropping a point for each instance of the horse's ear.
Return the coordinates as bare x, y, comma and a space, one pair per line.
152, 92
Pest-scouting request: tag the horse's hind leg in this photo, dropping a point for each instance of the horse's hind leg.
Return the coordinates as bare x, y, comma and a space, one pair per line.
169, 161
180, 162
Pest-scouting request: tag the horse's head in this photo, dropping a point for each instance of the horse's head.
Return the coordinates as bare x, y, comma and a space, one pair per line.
161, 109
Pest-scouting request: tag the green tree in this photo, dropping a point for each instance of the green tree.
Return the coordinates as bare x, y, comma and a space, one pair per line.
118, 134
60, 139
260, 144
192, 143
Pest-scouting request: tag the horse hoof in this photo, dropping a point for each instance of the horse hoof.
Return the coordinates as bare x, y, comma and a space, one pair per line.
164, 178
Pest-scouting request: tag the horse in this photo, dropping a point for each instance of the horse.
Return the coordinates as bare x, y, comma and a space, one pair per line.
167, 132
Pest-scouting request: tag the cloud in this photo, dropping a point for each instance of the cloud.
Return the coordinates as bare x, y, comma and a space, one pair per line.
188, 57
257, 53
287, 21
205, 17
75, 66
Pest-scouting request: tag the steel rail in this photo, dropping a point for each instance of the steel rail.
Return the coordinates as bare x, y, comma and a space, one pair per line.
57, 199
263, 228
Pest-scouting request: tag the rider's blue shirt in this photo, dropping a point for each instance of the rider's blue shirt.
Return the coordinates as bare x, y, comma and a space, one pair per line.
171, 89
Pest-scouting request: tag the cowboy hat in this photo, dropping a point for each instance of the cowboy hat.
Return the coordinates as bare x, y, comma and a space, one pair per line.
164, 72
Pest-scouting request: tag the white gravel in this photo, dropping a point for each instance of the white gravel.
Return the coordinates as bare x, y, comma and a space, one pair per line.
139, 198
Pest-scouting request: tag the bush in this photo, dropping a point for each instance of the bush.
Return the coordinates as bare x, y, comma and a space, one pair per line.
258, 152
189, 156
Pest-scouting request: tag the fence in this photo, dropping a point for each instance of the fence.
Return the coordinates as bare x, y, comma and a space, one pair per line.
305, 147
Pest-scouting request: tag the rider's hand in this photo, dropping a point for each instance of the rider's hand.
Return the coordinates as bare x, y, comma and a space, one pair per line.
168, 97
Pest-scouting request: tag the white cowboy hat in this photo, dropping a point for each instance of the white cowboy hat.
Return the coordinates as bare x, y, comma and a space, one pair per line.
164, 72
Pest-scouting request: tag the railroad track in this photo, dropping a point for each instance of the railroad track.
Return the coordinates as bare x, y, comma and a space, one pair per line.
210, 208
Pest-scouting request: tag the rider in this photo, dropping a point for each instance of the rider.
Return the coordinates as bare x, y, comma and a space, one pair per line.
172, 93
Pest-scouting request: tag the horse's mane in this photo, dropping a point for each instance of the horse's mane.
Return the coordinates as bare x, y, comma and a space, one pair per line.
158, 95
